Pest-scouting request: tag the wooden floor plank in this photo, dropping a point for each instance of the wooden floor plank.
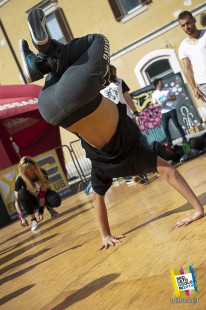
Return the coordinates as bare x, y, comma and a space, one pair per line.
59, 265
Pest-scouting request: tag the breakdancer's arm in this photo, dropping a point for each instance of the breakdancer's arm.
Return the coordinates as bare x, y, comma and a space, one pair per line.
102, 218
176, 180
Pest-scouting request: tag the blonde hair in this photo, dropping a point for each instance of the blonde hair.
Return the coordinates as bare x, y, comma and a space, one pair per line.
27, 162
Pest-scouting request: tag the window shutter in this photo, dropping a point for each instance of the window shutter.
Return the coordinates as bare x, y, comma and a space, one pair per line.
116, 9
63, 24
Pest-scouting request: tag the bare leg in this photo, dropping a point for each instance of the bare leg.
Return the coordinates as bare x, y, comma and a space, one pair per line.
175, 179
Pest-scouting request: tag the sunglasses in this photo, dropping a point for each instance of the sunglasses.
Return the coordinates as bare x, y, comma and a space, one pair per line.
26, 161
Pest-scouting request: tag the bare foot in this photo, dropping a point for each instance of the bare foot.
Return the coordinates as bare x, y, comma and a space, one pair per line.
189, 219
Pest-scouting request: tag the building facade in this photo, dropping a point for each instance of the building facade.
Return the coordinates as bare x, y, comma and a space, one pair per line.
144, 35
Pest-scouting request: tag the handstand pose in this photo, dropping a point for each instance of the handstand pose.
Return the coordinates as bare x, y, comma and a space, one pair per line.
71, 98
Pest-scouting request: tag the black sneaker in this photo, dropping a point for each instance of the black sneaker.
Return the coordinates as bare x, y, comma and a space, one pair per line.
129, 179
37, 25
52, 212
29, 62
142, 179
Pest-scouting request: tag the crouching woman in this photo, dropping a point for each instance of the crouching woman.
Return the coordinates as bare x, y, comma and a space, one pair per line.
32, 192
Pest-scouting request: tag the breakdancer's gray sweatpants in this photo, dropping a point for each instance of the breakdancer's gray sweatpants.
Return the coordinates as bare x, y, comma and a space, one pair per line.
73, 92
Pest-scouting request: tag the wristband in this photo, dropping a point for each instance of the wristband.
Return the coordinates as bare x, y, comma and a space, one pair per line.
41, 210
21, 216
136, 113
42, 194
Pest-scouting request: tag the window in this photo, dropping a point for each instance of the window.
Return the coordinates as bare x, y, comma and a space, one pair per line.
127, 9
58, 27
56, 22
128, 5
53, 28
158, 69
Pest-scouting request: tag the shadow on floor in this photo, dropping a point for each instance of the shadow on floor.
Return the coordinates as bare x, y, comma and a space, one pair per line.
60, 214
27, 269
15, 294
183, 208
85, 291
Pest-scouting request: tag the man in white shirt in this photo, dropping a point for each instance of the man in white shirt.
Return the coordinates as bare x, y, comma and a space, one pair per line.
192, 51
164, 97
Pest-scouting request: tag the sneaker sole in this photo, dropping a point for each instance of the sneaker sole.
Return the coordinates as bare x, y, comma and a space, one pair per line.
24, 62
36, 21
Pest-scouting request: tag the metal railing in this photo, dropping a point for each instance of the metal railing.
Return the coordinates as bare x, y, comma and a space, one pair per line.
79, 156
78, 168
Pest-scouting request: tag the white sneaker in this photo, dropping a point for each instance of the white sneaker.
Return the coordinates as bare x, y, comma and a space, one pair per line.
34, 226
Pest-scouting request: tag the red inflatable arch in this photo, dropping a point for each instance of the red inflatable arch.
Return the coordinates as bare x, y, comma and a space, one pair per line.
23, 131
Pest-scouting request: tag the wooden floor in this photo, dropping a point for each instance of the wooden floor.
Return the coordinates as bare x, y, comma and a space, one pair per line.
59, 266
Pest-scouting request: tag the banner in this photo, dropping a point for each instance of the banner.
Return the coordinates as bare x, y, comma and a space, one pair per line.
7, 183
48, 161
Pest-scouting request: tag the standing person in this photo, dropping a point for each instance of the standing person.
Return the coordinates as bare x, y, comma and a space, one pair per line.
71, 98
192, 52
118, 91
164, 98
32, 192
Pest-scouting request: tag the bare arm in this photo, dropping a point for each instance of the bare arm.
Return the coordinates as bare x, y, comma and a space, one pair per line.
42, 201
175, 179
172, 98
42, 196
17, 203
130, 103
103, 222
190, 76
19, 210
156, 105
